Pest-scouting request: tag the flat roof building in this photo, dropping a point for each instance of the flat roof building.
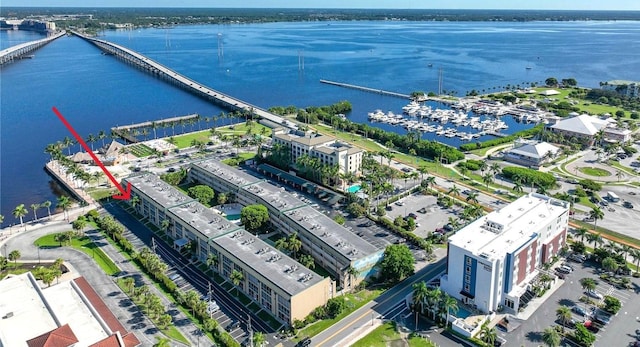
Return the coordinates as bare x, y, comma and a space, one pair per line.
278, 283
332, 246
492, 261
66, 314
328, 149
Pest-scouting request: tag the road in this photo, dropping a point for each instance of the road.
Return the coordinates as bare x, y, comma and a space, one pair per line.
118, 302
378, 308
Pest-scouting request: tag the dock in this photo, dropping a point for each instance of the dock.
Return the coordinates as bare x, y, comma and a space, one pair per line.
367, 89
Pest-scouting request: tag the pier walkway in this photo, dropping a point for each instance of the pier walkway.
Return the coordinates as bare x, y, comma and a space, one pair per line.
124, 131
146, 64
19, 51
367, 89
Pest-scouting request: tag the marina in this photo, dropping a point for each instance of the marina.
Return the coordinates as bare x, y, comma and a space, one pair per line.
465, 120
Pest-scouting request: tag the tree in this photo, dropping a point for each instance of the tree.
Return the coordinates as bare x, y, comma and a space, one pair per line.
254, 216
14, 256
164, 321
588, 284
550, 337
420, 293
356, 209
449, 304
563, 313
222, 198
582, 336
47, 205
455, 191
64, 203
473, 197
35, 208
258, 339
3, 263
582, 233
551, 82
212, 260
635, 254
19, 212
162, 342
204, 194
487, 179
488, 335
236, 278
294, 244
79, 224
128, 283
397, 263
596, 239
596, 213
609, 264
307, 261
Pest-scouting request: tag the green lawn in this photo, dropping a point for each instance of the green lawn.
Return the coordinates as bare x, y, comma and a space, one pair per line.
242, 156
101, 193
584, 105
184, 141
84, 245
383, 335
354, 302
241, 129
594, 171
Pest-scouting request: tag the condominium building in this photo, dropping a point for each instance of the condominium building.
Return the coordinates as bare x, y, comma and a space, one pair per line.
328, 149
272, 279
629, 89
492, 261
333, 247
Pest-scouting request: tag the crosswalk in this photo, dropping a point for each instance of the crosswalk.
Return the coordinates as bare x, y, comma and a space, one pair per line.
606, 290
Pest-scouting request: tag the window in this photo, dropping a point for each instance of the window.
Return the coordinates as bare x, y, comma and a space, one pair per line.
468, 261
467, 278
468, 270
466, 288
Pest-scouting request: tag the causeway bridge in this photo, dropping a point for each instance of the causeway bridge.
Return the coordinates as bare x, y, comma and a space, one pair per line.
19, 51
146, 64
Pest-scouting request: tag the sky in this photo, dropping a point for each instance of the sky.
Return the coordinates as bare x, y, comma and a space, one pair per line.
400, 4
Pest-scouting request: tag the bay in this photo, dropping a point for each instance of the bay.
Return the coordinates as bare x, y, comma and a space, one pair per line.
261, 63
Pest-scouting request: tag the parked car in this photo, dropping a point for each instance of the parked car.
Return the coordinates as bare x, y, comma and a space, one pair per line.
594, 294
566, 268
400, 203
448, 227
233, 326
305, 342
627, 204
413, 215
604, 203
563, 270
602, 317
578, 310
578, 258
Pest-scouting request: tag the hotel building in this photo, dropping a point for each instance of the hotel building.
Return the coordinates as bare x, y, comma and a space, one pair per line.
332, 246
326, 148
492, 260
276, 282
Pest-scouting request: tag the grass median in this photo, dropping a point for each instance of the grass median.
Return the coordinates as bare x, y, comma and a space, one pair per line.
85, 245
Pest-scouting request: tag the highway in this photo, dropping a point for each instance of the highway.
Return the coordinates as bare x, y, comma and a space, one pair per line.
185, 82
15, 52
384, 307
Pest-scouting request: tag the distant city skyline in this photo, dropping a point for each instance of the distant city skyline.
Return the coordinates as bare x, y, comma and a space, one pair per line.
632, 5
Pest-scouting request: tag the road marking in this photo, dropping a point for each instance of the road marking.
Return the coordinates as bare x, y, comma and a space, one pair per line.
370, 311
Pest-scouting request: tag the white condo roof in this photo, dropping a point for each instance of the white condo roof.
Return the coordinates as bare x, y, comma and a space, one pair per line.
505, 230
535, 150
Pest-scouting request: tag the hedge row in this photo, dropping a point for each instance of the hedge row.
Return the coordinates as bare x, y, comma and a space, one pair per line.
498, 141
529, 176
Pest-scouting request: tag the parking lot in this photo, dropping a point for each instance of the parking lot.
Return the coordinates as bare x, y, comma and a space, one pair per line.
620, 331
434, 216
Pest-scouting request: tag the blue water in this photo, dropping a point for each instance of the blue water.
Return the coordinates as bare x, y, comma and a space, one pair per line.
232, 217
354, 189
462, 313
260, 64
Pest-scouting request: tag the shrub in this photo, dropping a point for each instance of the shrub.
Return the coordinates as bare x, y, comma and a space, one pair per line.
611, 304
529, 176
590, 185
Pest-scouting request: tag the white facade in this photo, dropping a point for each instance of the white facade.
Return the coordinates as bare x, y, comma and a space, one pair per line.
326, 148
492, 260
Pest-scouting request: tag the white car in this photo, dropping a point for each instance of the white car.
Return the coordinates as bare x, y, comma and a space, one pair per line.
595, 295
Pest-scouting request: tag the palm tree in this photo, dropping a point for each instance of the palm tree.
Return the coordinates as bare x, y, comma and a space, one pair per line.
64, 203
487, 179
162, 342
551, 338
495, 168
423, 170
91, 139
258, 339
431, 181
517, 187
450, 304
595, 239
596, 213
563, 313
35, 207
281, 243
455, 191
472, 197
128, 283
236, 278
635, 254
19, 212
582, 233
294, 244
212, 260
352, 272
101, 136
488, 335
14, 256
67, 142
588, 284
420, 294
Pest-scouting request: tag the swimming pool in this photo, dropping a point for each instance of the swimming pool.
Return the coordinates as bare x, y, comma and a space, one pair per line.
232, 216
462, 313
354, 188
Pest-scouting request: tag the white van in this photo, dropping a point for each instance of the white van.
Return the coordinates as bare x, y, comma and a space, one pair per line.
611, 196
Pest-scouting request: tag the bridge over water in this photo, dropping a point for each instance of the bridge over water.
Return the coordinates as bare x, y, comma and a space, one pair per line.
146, 64
19, 51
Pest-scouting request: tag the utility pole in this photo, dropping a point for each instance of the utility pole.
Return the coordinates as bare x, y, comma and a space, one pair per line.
250, 330
153, 245
209, 297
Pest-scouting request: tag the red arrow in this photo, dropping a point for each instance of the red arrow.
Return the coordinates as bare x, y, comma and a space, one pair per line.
125, 194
